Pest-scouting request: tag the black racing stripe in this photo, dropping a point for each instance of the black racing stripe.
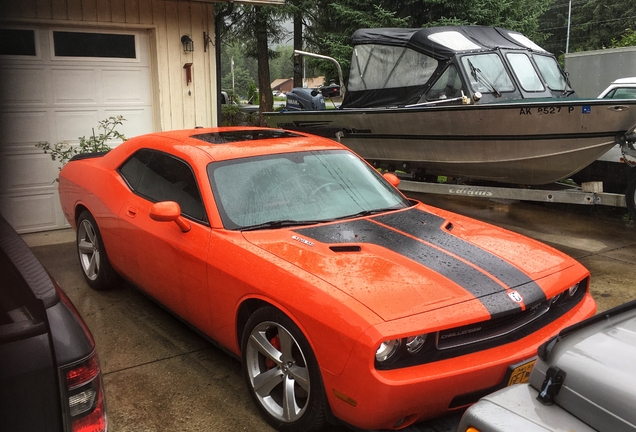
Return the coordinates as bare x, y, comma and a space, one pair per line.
483, 287
427, 226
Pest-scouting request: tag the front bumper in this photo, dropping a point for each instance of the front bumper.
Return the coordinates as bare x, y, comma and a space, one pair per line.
393, 399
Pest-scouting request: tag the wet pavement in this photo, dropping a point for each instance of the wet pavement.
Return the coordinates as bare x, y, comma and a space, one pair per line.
162, 376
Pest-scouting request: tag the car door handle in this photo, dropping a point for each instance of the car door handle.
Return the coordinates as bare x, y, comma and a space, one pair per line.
131, 212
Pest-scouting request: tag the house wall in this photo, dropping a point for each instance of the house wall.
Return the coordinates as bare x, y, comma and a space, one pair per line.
175, 104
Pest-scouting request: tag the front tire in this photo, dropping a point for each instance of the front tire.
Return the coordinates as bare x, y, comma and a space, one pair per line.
281, 372
94, 262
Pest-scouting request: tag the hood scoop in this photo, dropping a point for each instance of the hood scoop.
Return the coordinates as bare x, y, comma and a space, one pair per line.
348, 248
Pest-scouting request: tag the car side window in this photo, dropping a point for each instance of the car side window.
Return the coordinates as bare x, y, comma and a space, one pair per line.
162, 177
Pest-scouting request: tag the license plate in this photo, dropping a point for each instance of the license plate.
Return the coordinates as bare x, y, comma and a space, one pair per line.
521, 372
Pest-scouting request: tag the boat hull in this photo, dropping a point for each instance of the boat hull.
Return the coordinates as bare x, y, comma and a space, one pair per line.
525, 142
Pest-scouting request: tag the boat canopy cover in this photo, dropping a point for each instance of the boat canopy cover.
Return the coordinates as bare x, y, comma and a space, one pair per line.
394, 66
442, 43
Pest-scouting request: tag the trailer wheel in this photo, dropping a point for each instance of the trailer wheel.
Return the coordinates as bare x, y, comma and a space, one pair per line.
630, 195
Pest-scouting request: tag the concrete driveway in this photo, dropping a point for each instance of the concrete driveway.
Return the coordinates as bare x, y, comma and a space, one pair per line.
162, 376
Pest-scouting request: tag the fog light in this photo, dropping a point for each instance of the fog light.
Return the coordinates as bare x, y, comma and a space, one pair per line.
387, 350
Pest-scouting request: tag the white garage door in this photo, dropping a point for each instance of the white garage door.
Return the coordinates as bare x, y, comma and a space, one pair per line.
56, 84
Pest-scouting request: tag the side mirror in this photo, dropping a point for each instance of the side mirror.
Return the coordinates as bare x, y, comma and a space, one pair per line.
392, 178
169, 211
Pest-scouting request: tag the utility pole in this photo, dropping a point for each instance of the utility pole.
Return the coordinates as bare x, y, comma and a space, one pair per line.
567, 42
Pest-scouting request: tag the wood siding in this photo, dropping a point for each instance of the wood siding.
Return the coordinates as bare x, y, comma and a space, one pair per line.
175, 104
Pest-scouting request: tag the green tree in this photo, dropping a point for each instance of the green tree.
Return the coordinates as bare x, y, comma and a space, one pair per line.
594, 24
242, 81
627, 39
245, 68
283, 65
255, 27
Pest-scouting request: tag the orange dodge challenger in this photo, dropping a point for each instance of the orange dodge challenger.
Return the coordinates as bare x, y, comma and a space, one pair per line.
346, 301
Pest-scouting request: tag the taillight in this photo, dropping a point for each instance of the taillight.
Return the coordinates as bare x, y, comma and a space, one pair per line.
85, 397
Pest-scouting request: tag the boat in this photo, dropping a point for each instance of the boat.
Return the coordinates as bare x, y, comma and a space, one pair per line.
469, 102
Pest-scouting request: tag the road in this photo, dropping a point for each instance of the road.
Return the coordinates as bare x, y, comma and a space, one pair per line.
161, 376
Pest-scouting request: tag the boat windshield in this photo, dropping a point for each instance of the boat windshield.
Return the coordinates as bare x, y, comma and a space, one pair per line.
380, 66
525, 72
551, 72
448, 86
487, 73
299, 188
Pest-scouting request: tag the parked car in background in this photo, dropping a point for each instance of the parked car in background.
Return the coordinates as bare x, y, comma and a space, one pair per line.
50, 378
622, 88
345, 300
583, 381
616, 175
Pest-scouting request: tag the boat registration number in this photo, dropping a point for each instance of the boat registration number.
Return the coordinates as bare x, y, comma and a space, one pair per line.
545, 110
520, 373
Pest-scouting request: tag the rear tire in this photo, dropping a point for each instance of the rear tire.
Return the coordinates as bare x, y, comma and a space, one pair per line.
96, 268
281, 372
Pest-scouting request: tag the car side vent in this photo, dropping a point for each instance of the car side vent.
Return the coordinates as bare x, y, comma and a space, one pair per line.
348, 248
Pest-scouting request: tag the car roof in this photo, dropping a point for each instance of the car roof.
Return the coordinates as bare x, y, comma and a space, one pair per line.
235, 142
628, 80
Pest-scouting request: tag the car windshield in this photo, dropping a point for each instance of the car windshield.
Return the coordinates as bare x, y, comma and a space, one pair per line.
298, 188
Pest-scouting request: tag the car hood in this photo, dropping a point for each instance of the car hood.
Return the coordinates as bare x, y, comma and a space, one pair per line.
413, 261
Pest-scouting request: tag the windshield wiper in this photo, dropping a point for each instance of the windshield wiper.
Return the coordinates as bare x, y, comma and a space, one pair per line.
366, 213
481, 77
283, 223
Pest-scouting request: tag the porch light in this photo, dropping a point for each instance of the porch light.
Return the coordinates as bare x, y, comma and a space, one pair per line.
188, 44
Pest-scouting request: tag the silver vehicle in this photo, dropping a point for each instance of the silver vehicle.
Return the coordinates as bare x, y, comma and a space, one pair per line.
583, 381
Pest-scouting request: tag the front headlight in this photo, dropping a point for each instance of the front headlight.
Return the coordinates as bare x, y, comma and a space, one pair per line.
573, 289
393, 350
387, 350
415, 343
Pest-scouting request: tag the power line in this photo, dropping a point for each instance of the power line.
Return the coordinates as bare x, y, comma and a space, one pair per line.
591, 22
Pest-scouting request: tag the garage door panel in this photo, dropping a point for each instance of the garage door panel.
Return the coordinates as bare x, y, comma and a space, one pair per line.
33, 171
74, 86
136, 120
126, 86
70, 125
22, 130
29, 213
23, 86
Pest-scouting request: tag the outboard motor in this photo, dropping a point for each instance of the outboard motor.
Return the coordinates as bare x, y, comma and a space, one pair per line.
311, 99
304, 99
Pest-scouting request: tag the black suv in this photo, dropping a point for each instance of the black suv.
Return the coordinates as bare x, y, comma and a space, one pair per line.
50, 379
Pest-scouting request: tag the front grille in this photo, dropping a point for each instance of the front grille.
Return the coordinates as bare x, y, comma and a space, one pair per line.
485, 330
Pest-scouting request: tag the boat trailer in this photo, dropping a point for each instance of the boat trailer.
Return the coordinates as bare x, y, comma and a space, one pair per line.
589, 193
